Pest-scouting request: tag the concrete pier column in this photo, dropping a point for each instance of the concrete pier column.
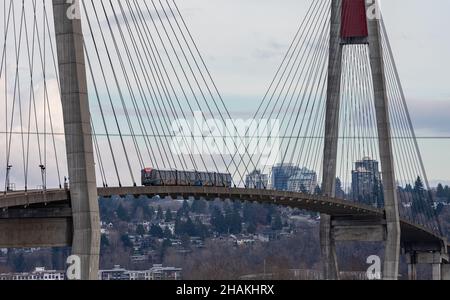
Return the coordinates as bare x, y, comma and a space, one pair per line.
445, 272
436, 271
412, 271
327, 244
411, 260
80, 157
392, 252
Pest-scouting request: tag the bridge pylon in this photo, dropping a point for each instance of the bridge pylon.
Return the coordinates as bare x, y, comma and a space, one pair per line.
78, 132
351, 25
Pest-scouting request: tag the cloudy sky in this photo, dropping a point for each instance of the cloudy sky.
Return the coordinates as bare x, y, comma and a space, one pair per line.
243, 42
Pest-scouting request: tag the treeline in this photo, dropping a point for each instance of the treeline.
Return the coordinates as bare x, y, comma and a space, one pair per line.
225, 217
443, 192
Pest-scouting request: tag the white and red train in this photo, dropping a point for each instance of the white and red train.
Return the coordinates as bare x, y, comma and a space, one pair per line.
154, 177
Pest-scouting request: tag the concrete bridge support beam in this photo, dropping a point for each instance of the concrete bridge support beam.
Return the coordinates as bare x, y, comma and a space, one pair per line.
77, 124
327, 244
392, 252
35, 232
440, 270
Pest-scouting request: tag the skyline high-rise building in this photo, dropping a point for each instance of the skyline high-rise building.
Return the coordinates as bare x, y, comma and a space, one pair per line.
281, 174
304, 181
257, 180
366, 181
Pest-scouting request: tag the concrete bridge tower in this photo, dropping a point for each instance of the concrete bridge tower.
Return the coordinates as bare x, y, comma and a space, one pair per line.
80, 155
356, 22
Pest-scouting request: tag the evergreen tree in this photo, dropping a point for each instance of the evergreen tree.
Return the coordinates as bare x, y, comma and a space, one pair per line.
160, 214
126, 242
148, 213
201, 229
169, 217
277, 223
138, 203
218, 221
19, 263
440, 191
236, 227
104, 241
439, 209
271, 211
190, 227
419, 203
179, 226
378, 193
409, 188
199, 206
447, 193
180, 213
186, 208
122, 214
339, 191
156, 231
237, 205
249, 213
167, 233
166, 244
140, 230
251, 228
233, 221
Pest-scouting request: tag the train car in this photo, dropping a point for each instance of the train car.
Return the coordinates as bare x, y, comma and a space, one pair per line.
154, 177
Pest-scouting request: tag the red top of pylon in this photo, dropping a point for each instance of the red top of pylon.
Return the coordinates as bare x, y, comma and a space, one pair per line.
354, 19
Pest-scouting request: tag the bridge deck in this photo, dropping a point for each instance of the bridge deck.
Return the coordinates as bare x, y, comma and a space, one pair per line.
411, 233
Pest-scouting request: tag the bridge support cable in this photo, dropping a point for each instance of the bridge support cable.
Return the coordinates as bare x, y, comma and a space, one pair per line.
161, 81
16, 99
30, 122
209, 93
155, 95
415, 193
114, 73
31, 99
158, 83
290, 93
98, 155
169, 87
311, 118
152, 81
48, 109
208, 73
166, 160
312, 81
108, 136
136, 76
184, 75
375, 155
299, 39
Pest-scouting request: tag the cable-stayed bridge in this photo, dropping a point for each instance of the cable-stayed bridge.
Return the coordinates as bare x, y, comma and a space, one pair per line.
119, 90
